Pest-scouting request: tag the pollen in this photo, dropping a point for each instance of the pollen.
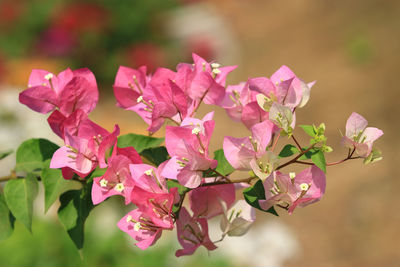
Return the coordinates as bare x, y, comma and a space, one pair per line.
304, 187
196, 130
128, 218
292, 175
49, 76
103, 182
137, 226
149, 172
216, 71
139, 99
119, 187
215, 65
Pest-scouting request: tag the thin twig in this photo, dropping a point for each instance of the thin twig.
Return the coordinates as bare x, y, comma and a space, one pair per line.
296, 158
276, 141
297, 143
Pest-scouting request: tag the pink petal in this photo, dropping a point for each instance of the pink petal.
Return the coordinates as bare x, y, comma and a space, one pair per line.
282, 74
355, 124
39, 98
238, 155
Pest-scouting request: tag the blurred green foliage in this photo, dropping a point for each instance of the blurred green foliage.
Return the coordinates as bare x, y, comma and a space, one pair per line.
49, 246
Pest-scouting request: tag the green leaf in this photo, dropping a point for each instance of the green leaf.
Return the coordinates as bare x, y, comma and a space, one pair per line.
374, 156
32, 153
53, 183
19, 195
6, 220
254, 193
309, 129
181, 189
308, 154
139, 142
5, 153
73, 212
288, 151
223, 167
156, 155
319, 160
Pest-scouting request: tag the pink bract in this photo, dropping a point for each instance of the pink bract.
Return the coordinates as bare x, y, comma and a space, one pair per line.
359, 136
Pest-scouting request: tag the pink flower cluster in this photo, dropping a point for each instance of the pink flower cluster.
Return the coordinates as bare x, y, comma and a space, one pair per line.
266, 106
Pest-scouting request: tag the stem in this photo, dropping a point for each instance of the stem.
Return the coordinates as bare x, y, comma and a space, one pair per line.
198, 105
276, 141
349, 156
297, 143
223, 176
247, 180
9, 177
304, 162
296, 158
174, 121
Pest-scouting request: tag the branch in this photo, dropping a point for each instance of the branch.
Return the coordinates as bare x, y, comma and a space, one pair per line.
349, 156
296, 158
9, 177
247, 180
297, 143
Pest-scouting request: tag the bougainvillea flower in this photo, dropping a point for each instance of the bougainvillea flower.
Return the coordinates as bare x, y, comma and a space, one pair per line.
245, 153
203, 81
283, 117
291, 190
284, 87
359, 136
154, 98
158, 206
68, 91
79, 155
237, 220
188, 147
76, 124
241, 105
83, 152
129, 85
141, 228
192, 233
116, 180
205, 200
149, 178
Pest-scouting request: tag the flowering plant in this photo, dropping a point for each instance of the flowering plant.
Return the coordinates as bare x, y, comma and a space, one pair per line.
157, 179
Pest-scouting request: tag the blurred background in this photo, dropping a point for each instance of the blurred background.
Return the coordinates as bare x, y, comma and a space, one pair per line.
352, 49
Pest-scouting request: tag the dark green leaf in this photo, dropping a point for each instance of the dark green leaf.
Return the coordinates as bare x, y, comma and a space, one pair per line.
308, 154
156, 155
319, 160
288, 151
309, 129
19, 195
139, 142
5, 153
254, 193
53, 183
223, 167
6, 220
32, 153
74, 209
181, 189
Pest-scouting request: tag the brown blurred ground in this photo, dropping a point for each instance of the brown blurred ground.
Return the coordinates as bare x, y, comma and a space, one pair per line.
352, 48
